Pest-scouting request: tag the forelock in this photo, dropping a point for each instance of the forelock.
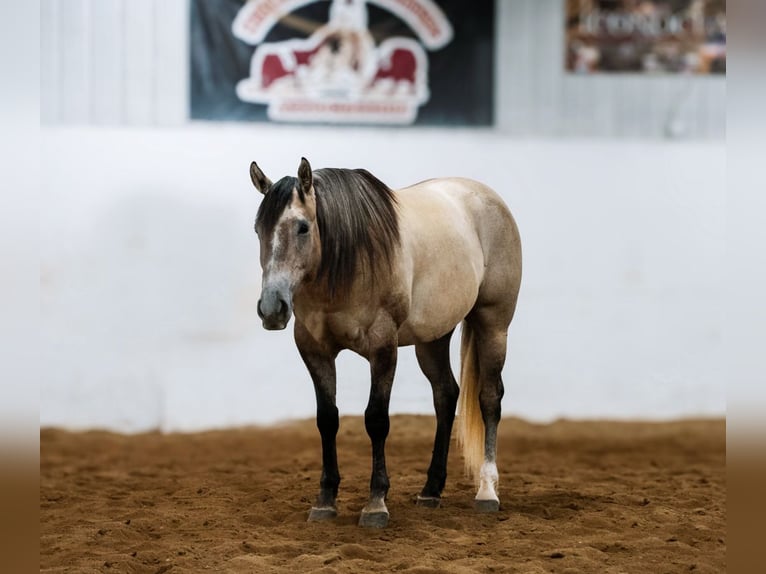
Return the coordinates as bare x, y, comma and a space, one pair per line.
275, 202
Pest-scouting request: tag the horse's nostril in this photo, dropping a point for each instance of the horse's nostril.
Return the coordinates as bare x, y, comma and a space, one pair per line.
282, 307
260, 313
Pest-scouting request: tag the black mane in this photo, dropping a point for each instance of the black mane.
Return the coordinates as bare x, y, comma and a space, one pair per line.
357, 219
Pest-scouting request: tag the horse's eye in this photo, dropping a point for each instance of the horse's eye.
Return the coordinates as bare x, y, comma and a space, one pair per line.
303, 228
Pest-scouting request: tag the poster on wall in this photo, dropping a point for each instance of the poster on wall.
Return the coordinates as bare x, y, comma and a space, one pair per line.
397, 62
646, 36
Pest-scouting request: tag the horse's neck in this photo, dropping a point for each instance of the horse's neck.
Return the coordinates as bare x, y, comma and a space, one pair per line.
314, 296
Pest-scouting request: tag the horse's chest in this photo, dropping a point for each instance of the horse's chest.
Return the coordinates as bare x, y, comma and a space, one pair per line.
338, 331
349, 335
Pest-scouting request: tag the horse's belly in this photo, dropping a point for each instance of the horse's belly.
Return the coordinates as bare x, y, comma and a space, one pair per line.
434, 317
444, 290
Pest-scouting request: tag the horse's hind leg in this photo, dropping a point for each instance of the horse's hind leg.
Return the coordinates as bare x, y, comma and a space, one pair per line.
491, 334
433, 359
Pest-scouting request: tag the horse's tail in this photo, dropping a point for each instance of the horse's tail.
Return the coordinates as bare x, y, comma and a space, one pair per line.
470, 434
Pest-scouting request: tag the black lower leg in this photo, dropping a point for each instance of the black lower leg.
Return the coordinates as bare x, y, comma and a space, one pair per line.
490, 401
376, 421
327, 422
445, 401
321, 366
491, 349
433, 359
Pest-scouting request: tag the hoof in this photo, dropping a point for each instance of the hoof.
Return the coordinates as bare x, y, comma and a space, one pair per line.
486, 505
320, 514
429, 501
376, 519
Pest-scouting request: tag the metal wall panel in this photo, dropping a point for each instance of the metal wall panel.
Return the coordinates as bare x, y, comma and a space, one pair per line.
107, 57
114, 62
74, 51
537, 97
126, 62
50, 86
140, 39
171, 85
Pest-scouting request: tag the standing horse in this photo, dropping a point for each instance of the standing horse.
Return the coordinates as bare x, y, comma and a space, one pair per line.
370, 269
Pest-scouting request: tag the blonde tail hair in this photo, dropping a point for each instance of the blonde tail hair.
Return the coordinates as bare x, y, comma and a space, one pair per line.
470, 434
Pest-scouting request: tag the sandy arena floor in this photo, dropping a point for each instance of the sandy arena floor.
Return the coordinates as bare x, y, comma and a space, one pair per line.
576, 497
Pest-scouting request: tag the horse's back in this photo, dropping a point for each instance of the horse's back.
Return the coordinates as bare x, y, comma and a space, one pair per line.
475, 210
460, 245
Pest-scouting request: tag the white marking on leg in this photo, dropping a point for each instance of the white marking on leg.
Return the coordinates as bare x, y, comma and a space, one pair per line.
376, 505
488, 478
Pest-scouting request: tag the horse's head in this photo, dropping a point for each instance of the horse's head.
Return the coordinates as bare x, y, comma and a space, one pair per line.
290, 249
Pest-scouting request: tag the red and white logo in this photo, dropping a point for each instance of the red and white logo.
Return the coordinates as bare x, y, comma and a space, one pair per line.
339, 73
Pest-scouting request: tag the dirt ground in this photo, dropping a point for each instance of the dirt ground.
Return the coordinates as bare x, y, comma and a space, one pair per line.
576, 497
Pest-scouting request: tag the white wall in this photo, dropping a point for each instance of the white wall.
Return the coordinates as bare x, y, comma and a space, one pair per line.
149, 274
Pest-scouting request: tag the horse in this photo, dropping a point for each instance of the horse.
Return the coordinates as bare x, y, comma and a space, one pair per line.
370, 269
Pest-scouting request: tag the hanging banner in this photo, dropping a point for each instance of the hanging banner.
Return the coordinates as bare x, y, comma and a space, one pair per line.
660, 36
393, 62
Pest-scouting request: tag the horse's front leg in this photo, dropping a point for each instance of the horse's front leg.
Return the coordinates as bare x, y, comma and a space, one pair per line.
382, 367
321, 366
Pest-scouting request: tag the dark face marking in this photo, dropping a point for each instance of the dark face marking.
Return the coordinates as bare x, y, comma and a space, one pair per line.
289, 251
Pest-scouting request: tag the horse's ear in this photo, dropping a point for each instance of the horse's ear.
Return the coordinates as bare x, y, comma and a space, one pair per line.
305, 177
260, 181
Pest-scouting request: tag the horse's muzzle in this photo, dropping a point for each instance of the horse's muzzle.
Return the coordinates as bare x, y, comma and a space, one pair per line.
274, 311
